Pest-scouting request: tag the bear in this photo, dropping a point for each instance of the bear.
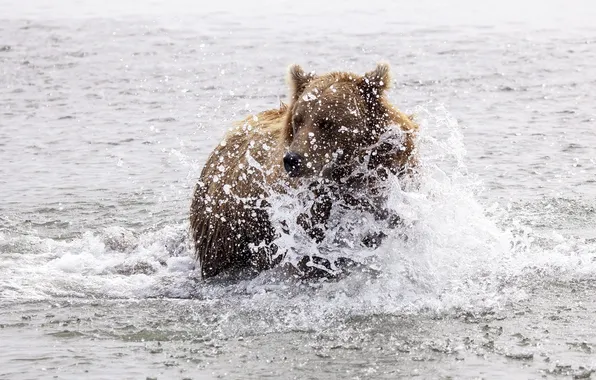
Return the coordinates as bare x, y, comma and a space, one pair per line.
332, 125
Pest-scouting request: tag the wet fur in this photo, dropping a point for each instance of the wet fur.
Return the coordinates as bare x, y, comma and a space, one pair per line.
229, 218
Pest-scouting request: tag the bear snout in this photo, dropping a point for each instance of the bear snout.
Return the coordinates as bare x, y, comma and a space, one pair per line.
293, 163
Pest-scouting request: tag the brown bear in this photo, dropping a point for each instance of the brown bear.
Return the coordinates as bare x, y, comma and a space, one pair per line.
333, 124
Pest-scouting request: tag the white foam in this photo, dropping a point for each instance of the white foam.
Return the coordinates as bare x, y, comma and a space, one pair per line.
459, 254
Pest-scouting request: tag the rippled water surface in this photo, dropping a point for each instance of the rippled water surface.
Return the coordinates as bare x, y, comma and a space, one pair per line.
109, 109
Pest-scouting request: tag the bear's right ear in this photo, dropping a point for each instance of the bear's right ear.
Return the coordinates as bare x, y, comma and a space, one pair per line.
298, 80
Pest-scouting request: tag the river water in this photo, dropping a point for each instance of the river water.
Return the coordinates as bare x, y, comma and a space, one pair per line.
109, 109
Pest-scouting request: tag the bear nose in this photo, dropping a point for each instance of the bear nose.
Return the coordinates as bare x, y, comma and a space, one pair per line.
293, 163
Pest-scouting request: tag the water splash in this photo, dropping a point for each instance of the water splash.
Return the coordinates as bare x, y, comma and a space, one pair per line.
459, 254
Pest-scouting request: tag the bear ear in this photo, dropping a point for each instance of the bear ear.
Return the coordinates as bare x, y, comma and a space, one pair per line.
298, 79
377, 81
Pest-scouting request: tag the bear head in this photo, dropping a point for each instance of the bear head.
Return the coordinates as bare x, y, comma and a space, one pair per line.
332, 119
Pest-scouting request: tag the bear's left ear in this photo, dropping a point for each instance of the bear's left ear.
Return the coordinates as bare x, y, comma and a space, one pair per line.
298, 80
377, 81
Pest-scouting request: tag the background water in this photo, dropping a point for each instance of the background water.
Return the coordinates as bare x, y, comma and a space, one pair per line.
108, 110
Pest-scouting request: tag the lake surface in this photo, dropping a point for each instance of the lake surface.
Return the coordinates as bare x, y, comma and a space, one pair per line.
109, 109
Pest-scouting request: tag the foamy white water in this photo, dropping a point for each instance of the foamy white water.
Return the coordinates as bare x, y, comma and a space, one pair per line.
108, 113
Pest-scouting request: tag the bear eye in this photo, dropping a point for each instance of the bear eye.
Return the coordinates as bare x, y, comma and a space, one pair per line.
298, 119
324, 124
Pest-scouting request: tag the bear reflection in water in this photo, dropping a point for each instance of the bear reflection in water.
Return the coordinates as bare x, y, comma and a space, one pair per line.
332, 138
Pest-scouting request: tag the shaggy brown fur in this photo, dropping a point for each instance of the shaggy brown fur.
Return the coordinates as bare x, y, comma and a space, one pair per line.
333, 122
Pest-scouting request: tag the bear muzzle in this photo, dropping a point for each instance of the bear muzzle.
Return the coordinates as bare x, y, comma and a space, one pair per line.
294, 164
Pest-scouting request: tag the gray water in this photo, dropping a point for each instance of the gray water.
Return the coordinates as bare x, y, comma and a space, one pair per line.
108, 110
